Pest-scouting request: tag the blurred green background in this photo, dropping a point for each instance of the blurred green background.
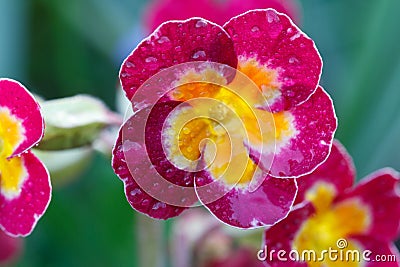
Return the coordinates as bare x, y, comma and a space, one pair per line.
62, 48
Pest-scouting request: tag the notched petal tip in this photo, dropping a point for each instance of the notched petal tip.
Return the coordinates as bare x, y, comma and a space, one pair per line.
21, 110
172, 43
277, 44
314, 123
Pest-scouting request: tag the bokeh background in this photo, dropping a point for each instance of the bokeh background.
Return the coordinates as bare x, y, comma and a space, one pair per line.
62, 48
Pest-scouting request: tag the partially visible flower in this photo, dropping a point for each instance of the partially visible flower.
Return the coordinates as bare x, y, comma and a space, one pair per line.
160, 11
25, 188
10, 248
234, 108
333, 215
199, 240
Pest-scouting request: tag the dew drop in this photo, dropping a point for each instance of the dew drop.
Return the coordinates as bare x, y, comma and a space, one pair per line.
199, 54
186, 130
163, 39
290, 93
125, 74
201, 23
150, 60
159, 205
272, 17
255, 29
135, 192
129, 64
293, 60
178, 48
145, 202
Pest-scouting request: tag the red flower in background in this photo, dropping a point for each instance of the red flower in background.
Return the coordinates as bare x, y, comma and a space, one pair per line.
25, 188
160, 11
332, 213
10, 248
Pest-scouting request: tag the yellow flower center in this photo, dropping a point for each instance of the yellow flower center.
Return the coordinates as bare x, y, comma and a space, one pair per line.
12, 170
331, 223
221, 120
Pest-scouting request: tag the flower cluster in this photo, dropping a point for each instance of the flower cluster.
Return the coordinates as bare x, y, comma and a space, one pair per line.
225, 115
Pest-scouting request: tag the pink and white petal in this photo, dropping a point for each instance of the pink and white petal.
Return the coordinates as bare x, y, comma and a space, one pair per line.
152, 184
276, 44
338, 170
19, 214
173, 43
244, 208
380, 193
314, 123
21, 104
382, 253
281, 235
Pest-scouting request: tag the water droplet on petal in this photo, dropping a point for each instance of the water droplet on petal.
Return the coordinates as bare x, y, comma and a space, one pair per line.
135, 192
125, 74
290, 93
145, 202
163, 39
293, 60
199, 54
150, 60
201, 23
129, 64
255, 29
178, 48
159, 205
272, 17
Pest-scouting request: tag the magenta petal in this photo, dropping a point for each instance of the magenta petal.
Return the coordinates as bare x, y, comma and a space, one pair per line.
21, 104
153, 185
244, 208
276, 43
337, 170
315, 122
379, 249
380, 193
281, 235
19, 215
176, 42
